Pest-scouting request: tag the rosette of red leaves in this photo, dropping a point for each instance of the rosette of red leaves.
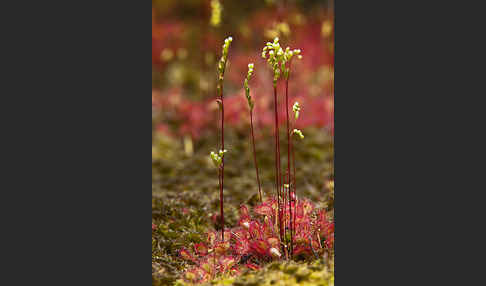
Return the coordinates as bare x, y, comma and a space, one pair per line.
256, 240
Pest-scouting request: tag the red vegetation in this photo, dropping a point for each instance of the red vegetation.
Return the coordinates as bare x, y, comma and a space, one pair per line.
255, 240
193, 115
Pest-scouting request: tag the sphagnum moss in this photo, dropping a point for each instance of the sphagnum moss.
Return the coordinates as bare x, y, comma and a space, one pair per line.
282, 273
184, 185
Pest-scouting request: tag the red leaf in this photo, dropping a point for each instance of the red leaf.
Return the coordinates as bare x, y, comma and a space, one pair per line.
301, 249
255, 230
222, 247
201, 249
241, 246
252, 266
235, 271
244, 212
239, 233
260, 247
227, 262
266, 208
273, 241
186, 255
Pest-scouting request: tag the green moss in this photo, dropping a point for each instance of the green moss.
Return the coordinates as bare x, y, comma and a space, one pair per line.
282, 273
185, 194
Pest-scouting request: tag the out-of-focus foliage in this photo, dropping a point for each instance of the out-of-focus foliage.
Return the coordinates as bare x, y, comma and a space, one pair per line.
186, 44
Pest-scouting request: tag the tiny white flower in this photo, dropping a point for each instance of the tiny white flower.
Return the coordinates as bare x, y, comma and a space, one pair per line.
274, 252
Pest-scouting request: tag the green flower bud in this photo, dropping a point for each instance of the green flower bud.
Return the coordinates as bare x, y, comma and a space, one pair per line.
298, 132
296, 109
246, 86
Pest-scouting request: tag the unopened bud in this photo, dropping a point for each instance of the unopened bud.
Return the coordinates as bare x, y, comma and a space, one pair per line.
274, 252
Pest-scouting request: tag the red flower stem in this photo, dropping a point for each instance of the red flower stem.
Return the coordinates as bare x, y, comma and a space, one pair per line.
277, 162
254, 154
219, 178
214, 257
282, 195
292, 212
288, 155
294, 186
222, 161
284, 220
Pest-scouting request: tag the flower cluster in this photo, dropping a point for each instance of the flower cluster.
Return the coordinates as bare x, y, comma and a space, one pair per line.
247, 88
255, 240
278, 58
299, 133
224, 57
296, 109
216, 9
217, 158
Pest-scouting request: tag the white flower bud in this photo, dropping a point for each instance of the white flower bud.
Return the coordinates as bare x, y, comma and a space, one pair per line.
274, 252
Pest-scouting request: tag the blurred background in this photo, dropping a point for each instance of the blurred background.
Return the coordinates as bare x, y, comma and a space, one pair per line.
187, 36
187, 39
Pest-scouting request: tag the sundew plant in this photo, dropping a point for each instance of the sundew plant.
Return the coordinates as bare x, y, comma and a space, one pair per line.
220, 156
283, 225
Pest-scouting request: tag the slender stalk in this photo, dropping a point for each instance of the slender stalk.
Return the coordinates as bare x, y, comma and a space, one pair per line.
277, 162
222, 164
293, 183
254, 154
219, 178
277, 58
288, 155
277, 166
221, 69
284, 220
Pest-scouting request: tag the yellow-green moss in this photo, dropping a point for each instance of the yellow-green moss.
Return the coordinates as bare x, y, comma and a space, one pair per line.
279, 274
185, 195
